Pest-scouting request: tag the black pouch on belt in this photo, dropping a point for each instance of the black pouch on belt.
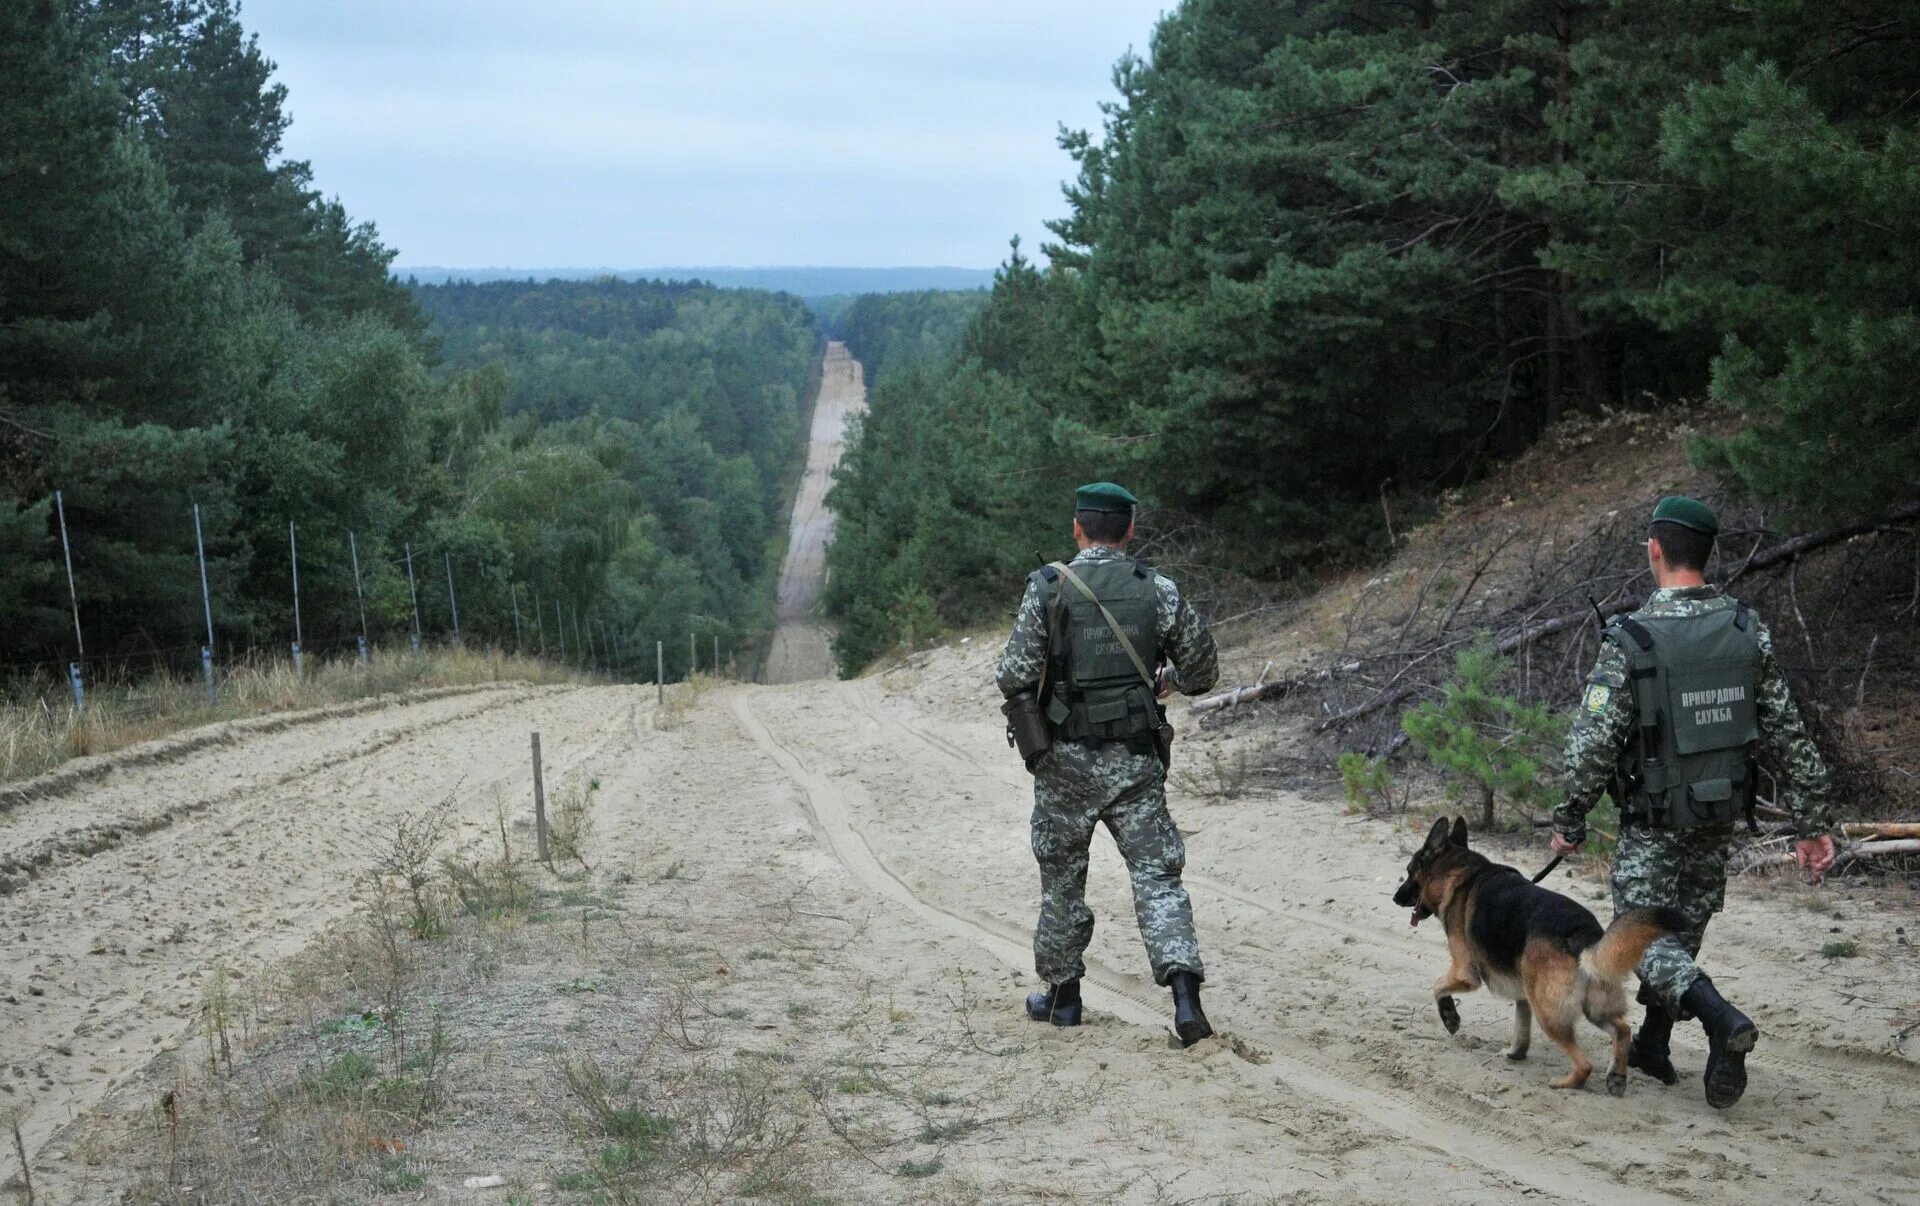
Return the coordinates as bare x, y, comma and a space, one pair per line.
1027, 729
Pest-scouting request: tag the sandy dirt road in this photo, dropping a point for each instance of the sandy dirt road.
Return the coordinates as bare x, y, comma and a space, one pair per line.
1320, 980
894, 805
802, 646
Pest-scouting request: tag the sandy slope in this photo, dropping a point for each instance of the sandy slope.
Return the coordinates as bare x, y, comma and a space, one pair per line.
802, 646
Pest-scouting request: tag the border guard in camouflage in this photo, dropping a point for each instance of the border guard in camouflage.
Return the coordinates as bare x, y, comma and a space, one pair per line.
1684, 693
1086, 634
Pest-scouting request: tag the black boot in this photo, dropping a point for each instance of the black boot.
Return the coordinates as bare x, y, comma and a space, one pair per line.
1648, 1051
1730, 1035
1189, 1020
1060, 1004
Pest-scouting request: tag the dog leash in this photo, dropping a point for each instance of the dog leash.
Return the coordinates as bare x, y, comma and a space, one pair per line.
1548, 869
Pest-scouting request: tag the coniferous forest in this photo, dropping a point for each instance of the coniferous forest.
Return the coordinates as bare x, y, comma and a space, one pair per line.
185, 321
1330, 255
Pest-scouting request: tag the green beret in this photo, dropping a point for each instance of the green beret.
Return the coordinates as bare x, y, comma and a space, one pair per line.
1688, 513
1104, 496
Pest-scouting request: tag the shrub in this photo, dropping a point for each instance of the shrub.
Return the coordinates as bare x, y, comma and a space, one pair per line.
1489, 745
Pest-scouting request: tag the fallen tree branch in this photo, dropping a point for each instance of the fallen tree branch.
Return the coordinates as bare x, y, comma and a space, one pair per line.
1789, 549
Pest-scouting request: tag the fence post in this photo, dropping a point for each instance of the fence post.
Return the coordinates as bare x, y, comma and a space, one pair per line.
353, 547
293, 552
206, 603
513, 592
79, 642
660, 671
414, 595
693, 654
539, 625
716, 655
560, 627
452, 602
539, 803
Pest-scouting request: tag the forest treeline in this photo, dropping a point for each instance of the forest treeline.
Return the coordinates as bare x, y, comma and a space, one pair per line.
185, 320
1328, 256
645, 437
886, 332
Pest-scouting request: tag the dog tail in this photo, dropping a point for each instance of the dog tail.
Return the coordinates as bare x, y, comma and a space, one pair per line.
1627, 939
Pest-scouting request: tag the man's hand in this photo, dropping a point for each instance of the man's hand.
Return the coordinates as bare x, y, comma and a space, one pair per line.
1560, 845
1163, 686
1816, 854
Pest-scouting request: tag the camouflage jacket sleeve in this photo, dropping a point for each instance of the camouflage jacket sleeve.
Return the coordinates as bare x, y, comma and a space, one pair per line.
1026, 650
1186, 641
1784, 734
1600, 730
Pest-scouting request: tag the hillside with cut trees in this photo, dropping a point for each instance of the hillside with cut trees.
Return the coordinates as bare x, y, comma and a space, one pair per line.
1329, 259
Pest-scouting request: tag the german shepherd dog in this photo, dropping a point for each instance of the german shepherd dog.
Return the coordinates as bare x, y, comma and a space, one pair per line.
1540, 950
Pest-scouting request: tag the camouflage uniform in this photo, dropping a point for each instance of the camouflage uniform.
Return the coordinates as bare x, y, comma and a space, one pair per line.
1683, 868
1077, 786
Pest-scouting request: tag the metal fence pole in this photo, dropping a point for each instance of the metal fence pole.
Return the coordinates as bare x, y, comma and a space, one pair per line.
513, 592
660, 671
540, 625
453, 603
716, 655
560, 628
73, 596
353, 547
293, 549
415, 596
206, 603
693, 654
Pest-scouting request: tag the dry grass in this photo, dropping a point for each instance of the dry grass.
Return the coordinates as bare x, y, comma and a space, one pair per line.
39, 728
467, 1021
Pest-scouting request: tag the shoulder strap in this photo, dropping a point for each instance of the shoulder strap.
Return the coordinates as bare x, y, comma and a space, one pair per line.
1637, 631
1133, 654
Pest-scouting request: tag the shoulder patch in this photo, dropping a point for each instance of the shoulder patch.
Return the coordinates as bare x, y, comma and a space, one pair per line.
1596, 699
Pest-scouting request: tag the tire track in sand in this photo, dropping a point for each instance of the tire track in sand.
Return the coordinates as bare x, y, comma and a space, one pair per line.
1455, 1129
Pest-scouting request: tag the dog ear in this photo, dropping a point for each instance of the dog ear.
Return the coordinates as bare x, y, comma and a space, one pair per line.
1437, 836
1459, 837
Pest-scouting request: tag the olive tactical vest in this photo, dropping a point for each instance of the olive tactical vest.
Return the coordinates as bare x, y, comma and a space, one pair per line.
1098, 694
1693, 680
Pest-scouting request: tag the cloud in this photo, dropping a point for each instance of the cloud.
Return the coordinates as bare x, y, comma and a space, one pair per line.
671, 132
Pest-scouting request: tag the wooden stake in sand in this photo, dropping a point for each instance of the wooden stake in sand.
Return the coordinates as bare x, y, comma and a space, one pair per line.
539, 803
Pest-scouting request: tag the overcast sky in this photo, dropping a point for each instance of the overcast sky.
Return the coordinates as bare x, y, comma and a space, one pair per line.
575, 133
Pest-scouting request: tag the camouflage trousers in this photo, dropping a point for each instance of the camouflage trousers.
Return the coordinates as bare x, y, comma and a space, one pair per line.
1075, 788
1685, 869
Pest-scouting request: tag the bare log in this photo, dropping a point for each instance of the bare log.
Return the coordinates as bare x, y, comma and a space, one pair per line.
1787, 550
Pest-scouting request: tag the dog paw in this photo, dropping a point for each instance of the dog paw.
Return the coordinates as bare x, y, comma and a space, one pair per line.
1516, 1054
1617, 1084
1449, 1014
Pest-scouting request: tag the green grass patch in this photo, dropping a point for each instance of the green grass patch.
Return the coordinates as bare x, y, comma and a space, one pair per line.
916, 1169
346, 1076
397, 1175
1844, 949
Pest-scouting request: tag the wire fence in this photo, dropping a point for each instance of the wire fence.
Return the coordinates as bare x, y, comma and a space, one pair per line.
125, 650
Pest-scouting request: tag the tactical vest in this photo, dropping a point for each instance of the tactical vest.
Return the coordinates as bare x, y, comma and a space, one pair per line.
1693, 680
1098, 695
